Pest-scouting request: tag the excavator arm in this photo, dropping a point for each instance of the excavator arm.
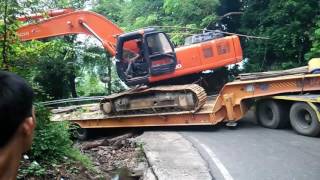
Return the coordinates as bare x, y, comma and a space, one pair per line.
67, 22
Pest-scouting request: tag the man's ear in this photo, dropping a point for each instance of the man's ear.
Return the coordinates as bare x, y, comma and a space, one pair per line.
26, 132
28, 126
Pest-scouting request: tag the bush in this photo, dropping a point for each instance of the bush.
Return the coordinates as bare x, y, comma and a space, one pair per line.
51, 146
33, 169
52, 141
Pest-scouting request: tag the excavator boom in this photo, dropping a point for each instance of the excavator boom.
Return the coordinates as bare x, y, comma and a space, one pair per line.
66, 22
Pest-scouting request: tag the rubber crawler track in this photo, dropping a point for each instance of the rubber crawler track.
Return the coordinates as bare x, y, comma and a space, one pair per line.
198, 92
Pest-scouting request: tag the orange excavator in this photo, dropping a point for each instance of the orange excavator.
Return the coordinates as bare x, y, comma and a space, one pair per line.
143, 57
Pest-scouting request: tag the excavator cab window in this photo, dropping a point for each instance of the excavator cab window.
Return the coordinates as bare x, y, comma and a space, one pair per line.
136, 63
141, 55
132, 66
161, 56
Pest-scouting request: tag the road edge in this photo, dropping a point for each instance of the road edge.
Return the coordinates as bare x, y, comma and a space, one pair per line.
171, 156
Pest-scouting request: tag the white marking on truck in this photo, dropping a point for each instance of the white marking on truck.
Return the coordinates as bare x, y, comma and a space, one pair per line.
22, 34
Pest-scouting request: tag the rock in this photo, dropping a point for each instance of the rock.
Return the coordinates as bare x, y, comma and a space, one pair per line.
110, 168
25, 157
123, 142
94, 149
105, 148
101, 152
139, 170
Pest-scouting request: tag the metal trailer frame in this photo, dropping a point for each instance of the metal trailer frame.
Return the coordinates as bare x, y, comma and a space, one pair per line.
230, 105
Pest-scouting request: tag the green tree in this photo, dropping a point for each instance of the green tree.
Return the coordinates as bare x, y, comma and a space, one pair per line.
199, 13
110, 9
8, 25
136, 14
315, 50
31, 60
286, 23
95, 64
229, 15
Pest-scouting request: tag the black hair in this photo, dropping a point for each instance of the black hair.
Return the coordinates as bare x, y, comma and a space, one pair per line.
16, 98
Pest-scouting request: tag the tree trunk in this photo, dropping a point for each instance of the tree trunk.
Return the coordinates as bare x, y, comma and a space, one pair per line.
4, 44
71, 61
72, 83
109, 75
108, 142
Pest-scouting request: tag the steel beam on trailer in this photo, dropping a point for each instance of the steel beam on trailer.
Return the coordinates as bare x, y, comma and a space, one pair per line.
148, 121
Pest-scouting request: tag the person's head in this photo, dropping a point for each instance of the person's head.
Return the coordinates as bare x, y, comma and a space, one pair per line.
139, 45
16, 112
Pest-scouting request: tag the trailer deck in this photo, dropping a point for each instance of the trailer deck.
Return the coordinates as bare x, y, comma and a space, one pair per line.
230, 105
90, 116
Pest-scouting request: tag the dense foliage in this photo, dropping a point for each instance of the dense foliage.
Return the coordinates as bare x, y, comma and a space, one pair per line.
290, 26
51, 146
52, 140
59, 67
67, 67
50, 68
315, 50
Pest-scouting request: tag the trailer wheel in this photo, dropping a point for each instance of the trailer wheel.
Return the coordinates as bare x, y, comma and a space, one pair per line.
304, 119
272, 114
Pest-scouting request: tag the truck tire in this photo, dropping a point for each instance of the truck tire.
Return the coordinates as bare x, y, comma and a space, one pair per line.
304, 119
272, 114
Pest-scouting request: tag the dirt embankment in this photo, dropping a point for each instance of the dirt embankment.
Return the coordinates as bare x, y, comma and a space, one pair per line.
116, 158
112, 158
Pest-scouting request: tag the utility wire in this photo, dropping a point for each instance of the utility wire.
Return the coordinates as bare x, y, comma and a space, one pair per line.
209, 30
70, 100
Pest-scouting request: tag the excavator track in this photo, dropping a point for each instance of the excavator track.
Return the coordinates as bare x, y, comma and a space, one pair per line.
161, 99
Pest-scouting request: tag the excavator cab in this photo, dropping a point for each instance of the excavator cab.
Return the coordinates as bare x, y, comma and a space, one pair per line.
142, 54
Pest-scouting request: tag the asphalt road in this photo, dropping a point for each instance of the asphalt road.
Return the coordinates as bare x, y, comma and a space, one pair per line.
251, 152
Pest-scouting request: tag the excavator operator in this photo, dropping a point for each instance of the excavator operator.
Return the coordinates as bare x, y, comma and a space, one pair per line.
136, 58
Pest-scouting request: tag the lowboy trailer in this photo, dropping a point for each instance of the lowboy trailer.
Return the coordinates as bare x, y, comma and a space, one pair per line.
279, 102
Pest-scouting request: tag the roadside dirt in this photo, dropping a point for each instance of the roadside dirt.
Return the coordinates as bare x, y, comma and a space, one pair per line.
117, 157
114, 158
